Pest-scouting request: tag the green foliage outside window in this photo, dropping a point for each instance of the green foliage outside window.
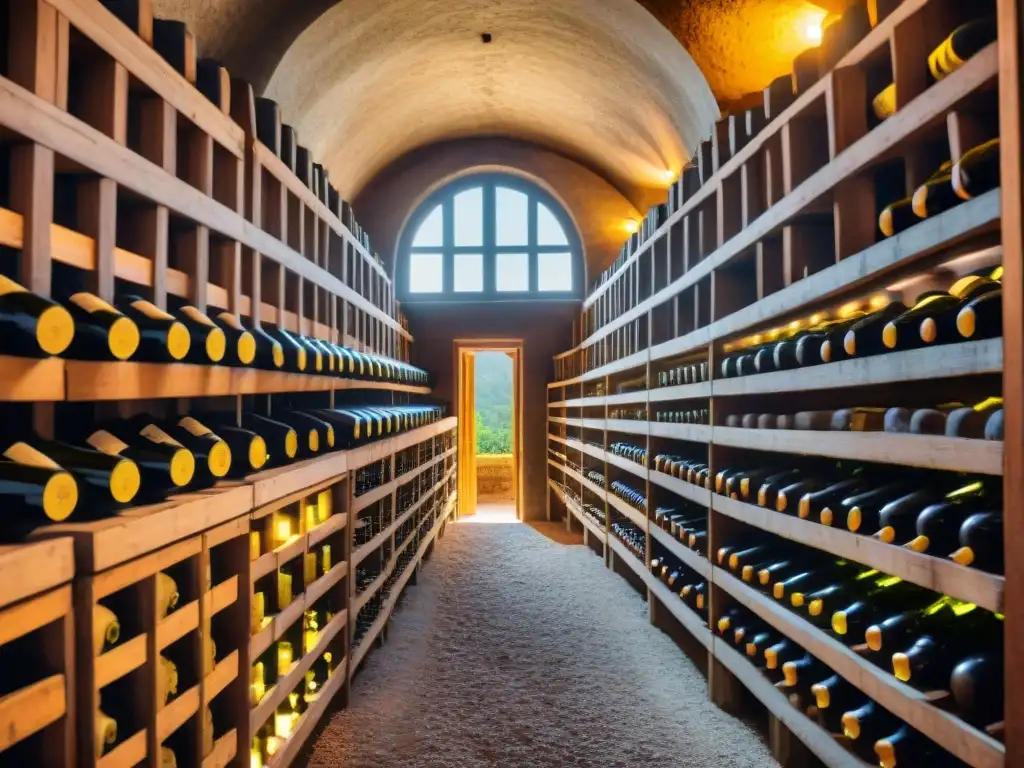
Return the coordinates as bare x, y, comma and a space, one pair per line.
493, 392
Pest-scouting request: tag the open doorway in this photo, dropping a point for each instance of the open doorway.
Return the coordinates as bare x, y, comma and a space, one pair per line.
490, 429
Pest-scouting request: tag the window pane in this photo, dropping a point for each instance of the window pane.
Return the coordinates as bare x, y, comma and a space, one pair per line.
431, 231
425, 273
469, 217
549, 231
554, 272
513, 222
469, 272
513, 272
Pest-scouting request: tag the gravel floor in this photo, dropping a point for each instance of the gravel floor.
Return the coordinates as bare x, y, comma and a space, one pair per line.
517, 651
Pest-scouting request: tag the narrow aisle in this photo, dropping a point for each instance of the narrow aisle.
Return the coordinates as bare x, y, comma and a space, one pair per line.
517, 651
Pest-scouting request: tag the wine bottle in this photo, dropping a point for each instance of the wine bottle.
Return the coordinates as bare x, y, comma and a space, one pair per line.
824, 603
758, 643
248, 449
738, 558
938, 525
970, 422
166, 681
779, 653
727, 620
281, 440
994, 426
269, 351
317, 435
102, 332
106, 732
978, 170
904, 746
865, 336
34, 487
867, 722
167, 595
162, 339
982, 317
896, 519
768, 492
981, 542
209, 343
105, 629
933, 316
164, 463
296, 356
977, 687
240, 344
327, 354
938, 617
861, 510
833, 696
801, 671
824, 344
31, 326
768, 574
814, 503
211, 451
794, 491
963, 43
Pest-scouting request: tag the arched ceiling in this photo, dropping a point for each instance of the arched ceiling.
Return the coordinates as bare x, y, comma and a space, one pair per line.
605, 82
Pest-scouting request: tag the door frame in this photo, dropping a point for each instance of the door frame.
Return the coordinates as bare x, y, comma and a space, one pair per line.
467, 451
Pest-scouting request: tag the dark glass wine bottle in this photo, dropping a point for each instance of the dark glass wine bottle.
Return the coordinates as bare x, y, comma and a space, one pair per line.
102, 332
282, 441
981, 542
296, 356
269, 351
944, 615
31, 326
248, 449
213, 454
162, 338
209, 343
240, 344
163, 462
978, 170
865, 336
104, 482
768, 492
977, 687
34, 488
982, 317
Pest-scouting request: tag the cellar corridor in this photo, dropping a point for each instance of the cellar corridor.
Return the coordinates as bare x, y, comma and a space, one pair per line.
514, 650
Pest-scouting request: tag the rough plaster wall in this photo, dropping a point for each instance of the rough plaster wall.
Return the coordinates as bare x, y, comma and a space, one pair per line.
546, 330
374, 79
596, 207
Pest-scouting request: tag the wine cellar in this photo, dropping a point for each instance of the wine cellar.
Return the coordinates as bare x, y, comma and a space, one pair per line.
206, 386
793, 379
790, 419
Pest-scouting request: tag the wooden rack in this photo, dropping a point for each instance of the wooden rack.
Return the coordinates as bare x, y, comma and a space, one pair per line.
37, 720
773, 231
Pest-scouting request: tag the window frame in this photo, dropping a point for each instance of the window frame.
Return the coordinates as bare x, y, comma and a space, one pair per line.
488, 182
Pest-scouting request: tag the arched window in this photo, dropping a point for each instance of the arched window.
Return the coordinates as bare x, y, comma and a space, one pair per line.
494, 236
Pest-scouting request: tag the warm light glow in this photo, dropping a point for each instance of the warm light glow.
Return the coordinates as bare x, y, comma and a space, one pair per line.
879, 300
813, 33
255, 759
631, 225
282, 726
284, 657
817, 318
810, 25
669, 175
848, 309
274, 743
284, 529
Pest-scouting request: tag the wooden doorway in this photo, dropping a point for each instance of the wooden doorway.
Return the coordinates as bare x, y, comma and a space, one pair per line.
465, 374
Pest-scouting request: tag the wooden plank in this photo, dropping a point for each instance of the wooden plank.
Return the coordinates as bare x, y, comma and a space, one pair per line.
30, 569
221, 676
177, 624
908, 704
949, 361
224, 751
29, 710
928, 451
936, 573
681, 488
286, 755
1010, 19
701, 389
696, 433
626, 464
120, 661
629, 559
177, 712
129, 752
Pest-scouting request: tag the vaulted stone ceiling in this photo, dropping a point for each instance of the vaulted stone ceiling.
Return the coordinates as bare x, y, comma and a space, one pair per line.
605, 82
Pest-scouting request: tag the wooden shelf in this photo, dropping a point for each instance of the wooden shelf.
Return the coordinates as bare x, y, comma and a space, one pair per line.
819, 741
685, 555
927, 451
630, 559
360, 651
589, 524
29, 710
283, 686
910, 705
679, 392
626, 464
587, 448
287, 754
626, 426
936, 573
89, 381
102, 544
25, 379
688, 491
948, 361
695, 433
693, 623
31, 569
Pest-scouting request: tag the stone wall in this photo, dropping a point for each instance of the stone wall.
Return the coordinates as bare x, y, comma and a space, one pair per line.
494, 477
